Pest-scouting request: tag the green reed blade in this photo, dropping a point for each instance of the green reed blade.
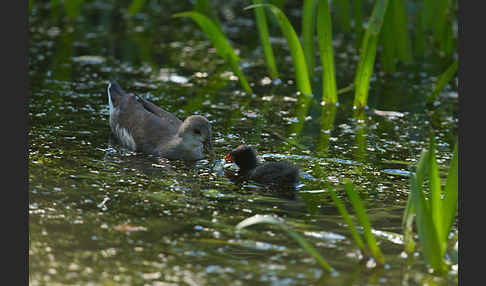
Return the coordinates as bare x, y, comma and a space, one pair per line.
257, 219
400, 30
428, 237
421, 171
343, 14
449, 205
135, 6
440, 19
429, 10
324, 38
262, 26
447, 43
296, 52
30, 6
368, 53
358, 21
347, 218
73, 8
365, 223
220, 43
55, 3
204, 7
419, 42
407, 224
387, 40
443, 80
279, 3
308, 31
435, 193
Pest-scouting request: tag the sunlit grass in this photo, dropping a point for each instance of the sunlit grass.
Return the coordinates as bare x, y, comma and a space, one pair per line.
442, 81
372, 247
206, 8
135, 6
261, 21
73, 8
296, 51
220, 43
258, 219
368, 53
324, 34
387, 27
358, 21
400, 30
434, 211
308, 32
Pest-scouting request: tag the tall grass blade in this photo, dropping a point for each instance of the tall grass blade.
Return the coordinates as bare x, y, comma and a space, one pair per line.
440, 19
204, 7
135, 6
365, 223
419, 43
279, 3
257, 219
428, 237
421, 171
449, 206
262, 26
408, 226
343, 14
387, 40
368, 53
447, 43
324, 38
400, 30
308, 31
221, 44
358, 21
73, 8
55, 3
442, 81
435, 194
429, 10
296, 52
347, 218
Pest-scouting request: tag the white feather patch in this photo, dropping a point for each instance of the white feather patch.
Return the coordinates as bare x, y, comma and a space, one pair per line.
112, 108
124, 136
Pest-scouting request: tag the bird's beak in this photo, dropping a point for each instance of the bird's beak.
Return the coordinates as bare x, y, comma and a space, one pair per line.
228, 157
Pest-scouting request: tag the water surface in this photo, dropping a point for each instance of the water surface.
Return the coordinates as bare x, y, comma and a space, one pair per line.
102, 215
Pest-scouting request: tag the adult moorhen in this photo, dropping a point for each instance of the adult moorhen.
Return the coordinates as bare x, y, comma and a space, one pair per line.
273, 174
140, 125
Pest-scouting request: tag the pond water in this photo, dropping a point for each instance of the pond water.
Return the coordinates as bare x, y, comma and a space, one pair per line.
102, 215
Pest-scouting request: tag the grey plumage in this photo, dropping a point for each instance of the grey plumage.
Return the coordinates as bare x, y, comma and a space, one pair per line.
143, 126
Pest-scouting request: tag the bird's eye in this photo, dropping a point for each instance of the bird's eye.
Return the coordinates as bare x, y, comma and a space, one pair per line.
197, 131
